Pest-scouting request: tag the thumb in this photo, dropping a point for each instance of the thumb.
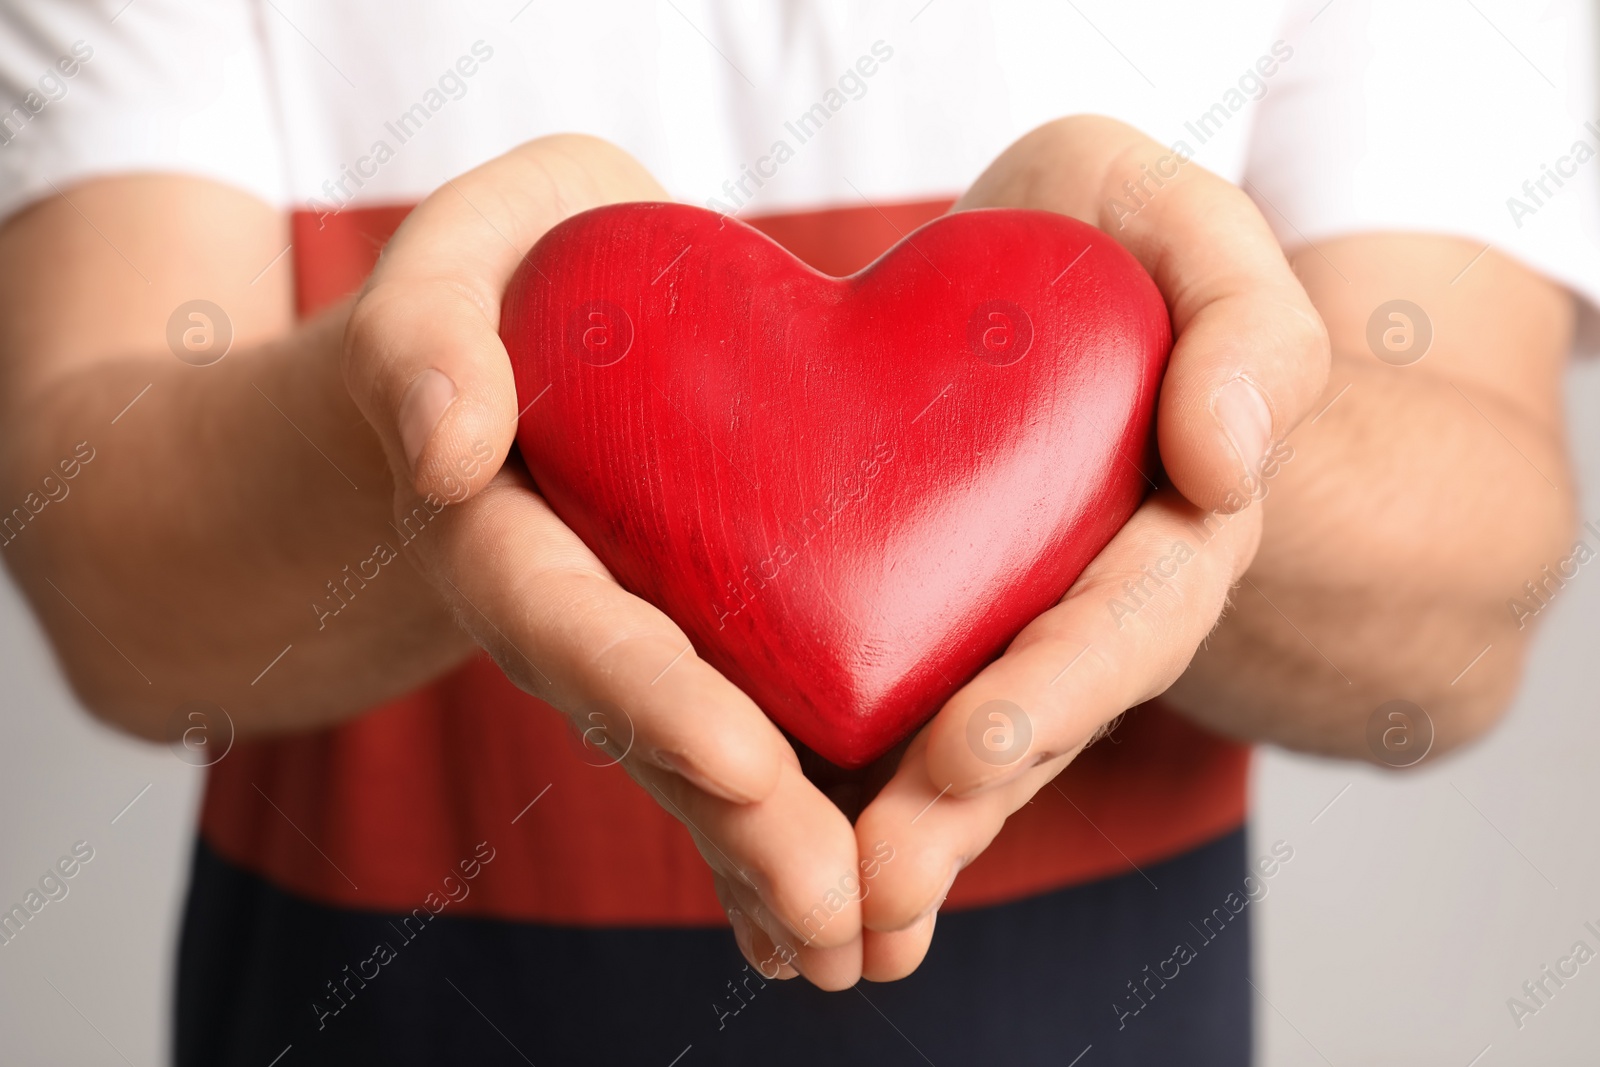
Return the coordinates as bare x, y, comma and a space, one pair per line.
422, 353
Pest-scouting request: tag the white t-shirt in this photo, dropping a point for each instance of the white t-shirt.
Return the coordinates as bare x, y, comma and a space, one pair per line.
1337, 116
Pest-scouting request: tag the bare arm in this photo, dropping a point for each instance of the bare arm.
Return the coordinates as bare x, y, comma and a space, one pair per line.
1412, 510
189, 552
1388, 545
191, 549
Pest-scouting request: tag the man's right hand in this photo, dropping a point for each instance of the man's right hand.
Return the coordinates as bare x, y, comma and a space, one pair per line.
424, 362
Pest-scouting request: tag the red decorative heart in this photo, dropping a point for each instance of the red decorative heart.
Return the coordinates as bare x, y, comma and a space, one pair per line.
851, 493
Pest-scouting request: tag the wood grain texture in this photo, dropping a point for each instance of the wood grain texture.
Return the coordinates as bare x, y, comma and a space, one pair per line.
851, 493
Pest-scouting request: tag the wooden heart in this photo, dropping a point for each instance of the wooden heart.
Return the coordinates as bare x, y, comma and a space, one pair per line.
851, 493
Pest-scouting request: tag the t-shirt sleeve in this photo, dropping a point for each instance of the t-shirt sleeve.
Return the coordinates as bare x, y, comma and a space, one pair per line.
93, 88
1473, 119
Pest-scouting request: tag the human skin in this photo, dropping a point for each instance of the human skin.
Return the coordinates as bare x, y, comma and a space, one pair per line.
227, 495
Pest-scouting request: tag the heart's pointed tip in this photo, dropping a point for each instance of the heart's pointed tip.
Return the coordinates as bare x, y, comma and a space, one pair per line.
854, 753
849, 761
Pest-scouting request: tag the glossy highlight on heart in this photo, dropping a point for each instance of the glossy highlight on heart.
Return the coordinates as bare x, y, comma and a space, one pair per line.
851, 493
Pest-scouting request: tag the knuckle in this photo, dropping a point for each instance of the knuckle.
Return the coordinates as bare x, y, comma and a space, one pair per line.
363, 337
1307, 336
565, 591
1318, 362
378, 324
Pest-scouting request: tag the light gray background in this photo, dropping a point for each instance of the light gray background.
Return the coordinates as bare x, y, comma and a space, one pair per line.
1415, 904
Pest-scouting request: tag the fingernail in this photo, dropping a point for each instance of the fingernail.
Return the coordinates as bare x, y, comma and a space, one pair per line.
781, 971
667, 761
676, 764
420, 411
1244, 416
1023, 767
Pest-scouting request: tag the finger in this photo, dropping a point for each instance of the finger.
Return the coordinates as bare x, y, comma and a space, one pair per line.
742, 933
770, 959
935, 835
1251, 355
892, 955
769, 859
774, 961
422, 354
1124, 632
788, 858
830, 968
754, 943
538, 600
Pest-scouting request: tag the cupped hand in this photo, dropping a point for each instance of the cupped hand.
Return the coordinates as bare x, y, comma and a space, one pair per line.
424, 362
1249, 359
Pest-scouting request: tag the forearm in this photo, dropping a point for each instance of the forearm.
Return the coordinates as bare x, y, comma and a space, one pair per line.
230, 513
1409, 515
235, 537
